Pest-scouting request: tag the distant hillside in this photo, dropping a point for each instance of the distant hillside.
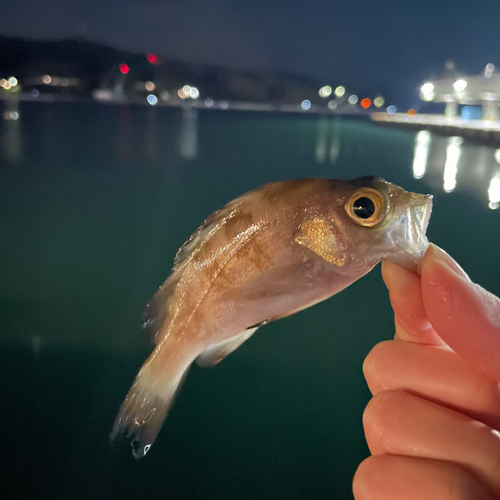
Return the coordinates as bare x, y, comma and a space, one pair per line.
97, 66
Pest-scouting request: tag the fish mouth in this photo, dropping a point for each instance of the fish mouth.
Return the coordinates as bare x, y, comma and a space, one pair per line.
410, 239
419, 214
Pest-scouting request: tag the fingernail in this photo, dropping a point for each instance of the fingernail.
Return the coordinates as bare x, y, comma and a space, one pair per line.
444, 258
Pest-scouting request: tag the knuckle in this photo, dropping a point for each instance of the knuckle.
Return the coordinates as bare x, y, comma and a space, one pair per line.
385, 420
376, 359
372, 359
366, 473
382, 404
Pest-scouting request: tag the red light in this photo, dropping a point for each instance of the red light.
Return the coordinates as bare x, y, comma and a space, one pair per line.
124, 68
365, 103
152, 58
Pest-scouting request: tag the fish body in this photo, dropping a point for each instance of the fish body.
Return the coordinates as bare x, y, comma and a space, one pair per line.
266, 255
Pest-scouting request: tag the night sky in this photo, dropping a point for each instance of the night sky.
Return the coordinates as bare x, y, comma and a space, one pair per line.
393, 44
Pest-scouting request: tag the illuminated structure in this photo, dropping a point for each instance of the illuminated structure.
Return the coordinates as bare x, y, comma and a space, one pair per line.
483, 90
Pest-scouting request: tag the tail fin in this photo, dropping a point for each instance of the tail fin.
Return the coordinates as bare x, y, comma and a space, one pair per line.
145, 407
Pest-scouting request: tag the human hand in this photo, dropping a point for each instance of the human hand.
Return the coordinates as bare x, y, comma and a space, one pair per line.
433, 423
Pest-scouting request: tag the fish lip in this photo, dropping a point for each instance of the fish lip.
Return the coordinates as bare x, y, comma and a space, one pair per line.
420, 213
410, 241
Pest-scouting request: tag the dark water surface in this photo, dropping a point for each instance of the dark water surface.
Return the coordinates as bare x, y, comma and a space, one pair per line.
95, 201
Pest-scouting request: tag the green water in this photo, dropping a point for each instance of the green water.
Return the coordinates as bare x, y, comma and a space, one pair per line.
94, 202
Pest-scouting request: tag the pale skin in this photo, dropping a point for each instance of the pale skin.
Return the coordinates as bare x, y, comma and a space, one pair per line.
433, 424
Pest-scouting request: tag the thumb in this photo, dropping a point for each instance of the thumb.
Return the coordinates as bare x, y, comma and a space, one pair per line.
463, 314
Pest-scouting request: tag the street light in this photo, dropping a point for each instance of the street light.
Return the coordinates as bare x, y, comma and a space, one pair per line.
460, 85
340, 91
325, 91
427, 90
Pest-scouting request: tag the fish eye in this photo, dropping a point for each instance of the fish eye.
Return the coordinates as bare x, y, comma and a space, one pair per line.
367, 207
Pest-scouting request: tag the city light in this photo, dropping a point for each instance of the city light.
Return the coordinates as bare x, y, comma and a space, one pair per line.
223, 105
188, 92
412, 112
325, 91
391, 109
427, 90
152, 99
11, 115
152, 58
366, 103
209, 102
35, 93
13, 81
497, 155
149, 86
46, 79
306, 104
494, 192
353, 99
332, 104
489, 70
165, 95
340, 91
460, 85
378, 102
124, 68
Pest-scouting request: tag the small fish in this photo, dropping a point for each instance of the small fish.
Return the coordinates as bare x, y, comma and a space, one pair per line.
266, 255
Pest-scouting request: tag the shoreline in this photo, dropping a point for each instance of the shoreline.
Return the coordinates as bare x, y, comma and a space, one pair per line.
222, 105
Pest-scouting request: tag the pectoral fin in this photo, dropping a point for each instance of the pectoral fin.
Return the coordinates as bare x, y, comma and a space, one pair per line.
319, 236
215, 353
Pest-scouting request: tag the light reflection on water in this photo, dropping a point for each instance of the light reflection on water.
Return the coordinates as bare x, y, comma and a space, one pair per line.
328, 140
188, 143
11, 140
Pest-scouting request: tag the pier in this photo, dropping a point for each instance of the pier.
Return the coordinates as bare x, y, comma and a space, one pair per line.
482, 131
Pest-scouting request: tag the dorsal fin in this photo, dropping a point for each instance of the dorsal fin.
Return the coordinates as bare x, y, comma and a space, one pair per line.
156, 312
212, 224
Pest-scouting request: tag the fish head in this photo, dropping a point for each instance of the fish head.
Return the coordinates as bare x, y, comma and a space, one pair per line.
383, 221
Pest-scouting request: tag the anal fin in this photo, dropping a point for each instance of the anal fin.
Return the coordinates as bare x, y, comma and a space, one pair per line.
215, 353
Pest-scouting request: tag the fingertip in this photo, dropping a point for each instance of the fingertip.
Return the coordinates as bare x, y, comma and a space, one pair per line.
463, 314
397, 278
